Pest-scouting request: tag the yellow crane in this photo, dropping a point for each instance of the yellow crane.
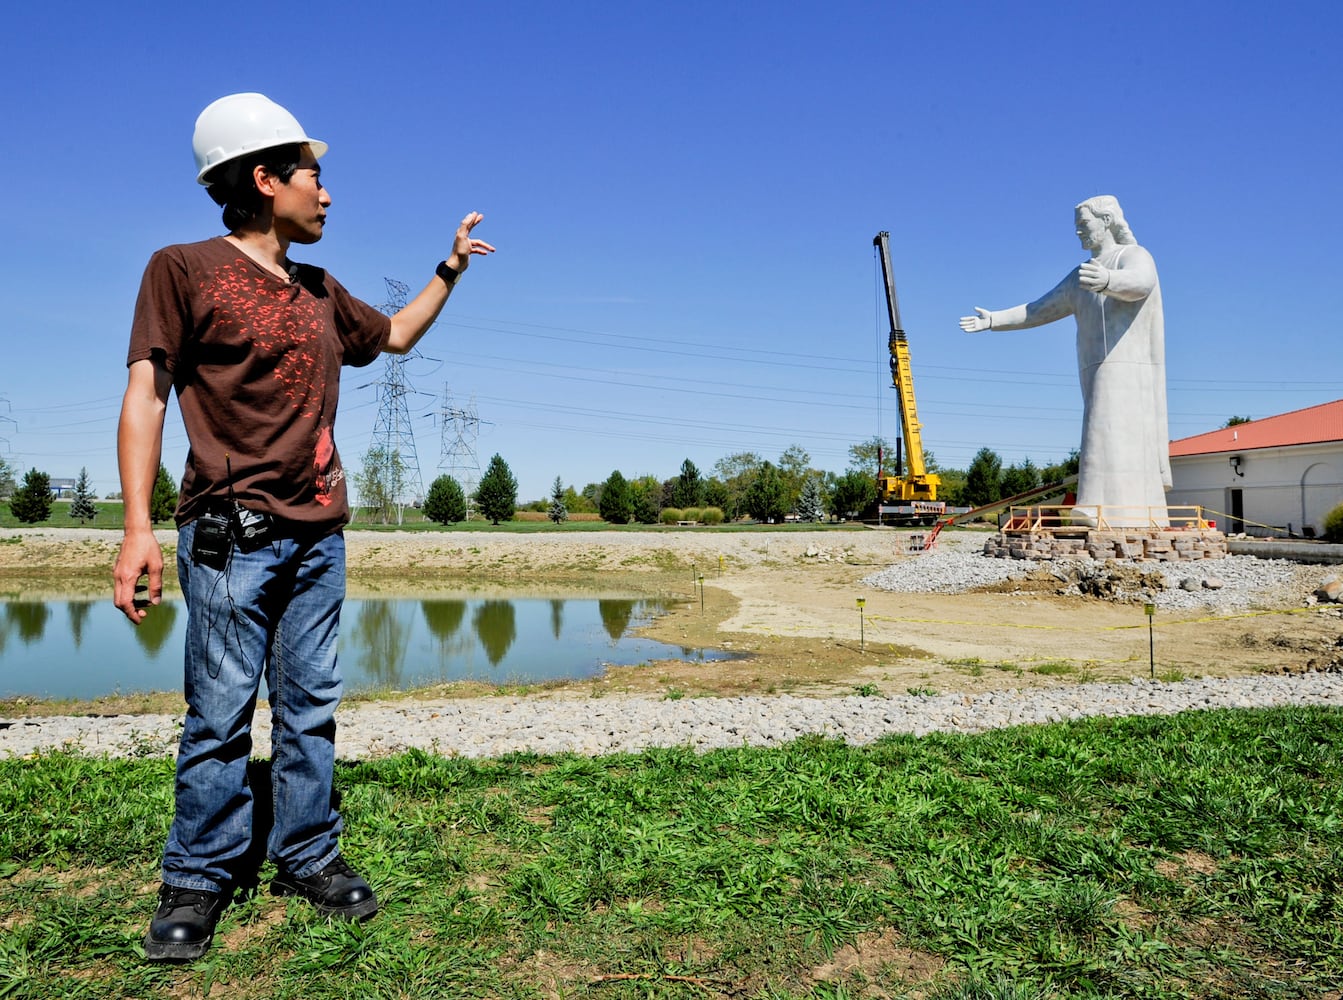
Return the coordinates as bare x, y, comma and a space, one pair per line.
910, 497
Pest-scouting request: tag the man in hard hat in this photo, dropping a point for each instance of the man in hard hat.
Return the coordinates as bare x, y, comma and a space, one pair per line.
253, 344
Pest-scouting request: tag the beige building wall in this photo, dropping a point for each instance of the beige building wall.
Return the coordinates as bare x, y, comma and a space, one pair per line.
1285, 488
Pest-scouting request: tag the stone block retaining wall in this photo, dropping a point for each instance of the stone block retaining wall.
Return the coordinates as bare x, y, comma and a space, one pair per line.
1132, 544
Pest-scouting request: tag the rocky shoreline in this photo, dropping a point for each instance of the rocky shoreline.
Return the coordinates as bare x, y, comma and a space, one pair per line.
493, 726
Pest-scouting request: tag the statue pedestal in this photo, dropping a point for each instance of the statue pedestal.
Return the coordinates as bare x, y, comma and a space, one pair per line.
1125, 544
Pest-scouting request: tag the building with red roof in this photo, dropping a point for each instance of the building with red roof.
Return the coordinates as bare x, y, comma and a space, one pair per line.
1264, 477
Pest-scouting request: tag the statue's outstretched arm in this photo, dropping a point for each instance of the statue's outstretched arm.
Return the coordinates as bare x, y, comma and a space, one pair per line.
1053, 305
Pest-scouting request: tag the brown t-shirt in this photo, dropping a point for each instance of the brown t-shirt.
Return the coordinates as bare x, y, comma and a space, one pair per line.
256, 363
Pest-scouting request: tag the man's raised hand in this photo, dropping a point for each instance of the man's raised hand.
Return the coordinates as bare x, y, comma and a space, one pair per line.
464, 246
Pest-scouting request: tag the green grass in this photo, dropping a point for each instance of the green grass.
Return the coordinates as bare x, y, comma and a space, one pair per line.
1186, 857
1054, 668
109, 516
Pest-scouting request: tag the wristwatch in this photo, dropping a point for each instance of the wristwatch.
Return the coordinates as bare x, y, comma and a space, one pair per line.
448, 274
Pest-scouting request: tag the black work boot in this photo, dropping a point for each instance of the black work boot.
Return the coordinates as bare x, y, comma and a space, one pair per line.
184, 924
336, 890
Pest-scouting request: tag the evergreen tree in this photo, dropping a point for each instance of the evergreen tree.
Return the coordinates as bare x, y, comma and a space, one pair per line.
82, 506
445, 502
984, 478
810, 503
688, 490
1019, 478
767, 497
31, 502
615, 504
559, 512
163, 501
497, 494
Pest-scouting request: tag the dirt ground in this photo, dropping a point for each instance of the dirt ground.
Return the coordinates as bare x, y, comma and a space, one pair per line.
785, 601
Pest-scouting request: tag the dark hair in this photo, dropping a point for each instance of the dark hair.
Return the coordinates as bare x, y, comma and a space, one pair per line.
232, 187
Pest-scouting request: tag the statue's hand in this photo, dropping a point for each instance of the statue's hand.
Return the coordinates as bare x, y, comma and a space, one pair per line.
1092, 277
982, 320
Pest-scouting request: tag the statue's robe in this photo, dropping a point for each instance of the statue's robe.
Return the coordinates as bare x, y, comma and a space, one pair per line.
1121, 361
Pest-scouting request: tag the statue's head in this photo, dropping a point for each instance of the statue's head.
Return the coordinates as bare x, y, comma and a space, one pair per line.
1105, 207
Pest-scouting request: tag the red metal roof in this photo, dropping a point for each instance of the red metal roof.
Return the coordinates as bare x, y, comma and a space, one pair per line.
1312, 425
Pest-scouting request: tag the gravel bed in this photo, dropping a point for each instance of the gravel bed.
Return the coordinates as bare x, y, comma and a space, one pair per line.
1219, 585
488, 727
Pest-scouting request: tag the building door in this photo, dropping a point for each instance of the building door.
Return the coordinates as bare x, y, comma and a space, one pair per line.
1236, 501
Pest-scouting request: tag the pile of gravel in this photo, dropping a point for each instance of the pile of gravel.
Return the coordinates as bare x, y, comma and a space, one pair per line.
489, 727
1218, 585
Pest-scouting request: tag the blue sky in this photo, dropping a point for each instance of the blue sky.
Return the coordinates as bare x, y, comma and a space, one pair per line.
684, 198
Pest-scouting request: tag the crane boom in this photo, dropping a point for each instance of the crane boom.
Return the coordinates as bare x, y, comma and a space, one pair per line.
912, 494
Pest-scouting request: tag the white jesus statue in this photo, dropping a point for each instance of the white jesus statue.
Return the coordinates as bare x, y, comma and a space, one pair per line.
1121, 361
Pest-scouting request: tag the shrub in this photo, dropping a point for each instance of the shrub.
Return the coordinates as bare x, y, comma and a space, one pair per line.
711, 515
31, 502
445, 502
1333, 525
670, 515
691, 514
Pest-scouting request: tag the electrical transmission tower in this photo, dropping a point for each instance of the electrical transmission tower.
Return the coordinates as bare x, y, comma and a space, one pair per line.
393, 435
5, 419
460, 430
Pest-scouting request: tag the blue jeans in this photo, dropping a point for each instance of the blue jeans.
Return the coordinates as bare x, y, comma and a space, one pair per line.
275, 612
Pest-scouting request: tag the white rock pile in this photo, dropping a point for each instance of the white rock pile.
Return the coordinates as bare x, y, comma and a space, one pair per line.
1230, 584
488, 727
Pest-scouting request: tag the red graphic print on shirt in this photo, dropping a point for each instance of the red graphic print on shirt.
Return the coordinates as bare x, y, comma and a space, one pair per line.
282, 324
328, 472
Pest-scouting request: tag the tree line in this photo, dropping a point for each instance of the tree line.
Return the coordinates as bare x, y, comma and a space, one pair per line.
740, 485
31, 501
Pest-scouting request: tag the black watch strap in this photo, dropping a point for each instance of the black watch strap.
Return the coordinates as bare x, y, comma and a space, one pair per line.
448, 274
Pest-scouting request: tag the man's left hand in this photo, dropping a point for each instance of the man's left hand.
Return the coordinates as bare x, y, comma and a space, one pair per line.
463, 246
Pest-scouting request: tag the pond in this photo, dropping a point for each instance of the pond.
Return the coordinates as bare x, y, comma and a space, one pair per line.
87, 649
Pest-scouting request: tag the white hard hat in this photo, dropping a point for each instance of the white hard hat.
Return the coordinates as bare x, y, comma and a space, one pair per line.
239, 124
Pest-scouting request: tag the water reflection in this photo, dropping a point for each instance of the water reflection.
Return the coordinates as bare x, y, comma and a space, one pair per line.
443, 618
29, 619
79, 616
496, 627
383, 637
616, 617
157, 628
384, 644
